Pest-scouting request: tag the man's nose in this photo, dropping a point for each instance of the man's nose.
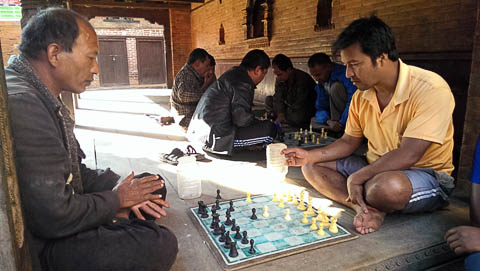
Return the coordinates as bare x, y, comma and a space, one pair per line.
348, 72
95, 68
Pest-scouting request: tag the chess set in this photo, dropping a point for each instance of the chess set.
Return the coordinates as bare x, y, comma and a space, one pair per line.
307, 138
256, 229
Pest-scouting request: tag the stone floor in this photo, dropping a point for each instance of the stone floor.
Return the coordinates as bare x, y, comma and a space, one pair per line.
116, 129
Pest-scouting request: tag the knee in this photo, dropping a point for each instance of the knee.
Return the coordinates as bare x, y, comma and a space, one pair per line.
388, 191
311, 170
164, 248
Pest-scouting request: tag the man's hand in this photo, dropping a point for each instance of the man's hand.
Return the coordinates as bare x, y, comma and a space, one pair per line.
463, 239
151, 207
208, 79
334, 126
133, 191
281, 118
296, 157
355, 191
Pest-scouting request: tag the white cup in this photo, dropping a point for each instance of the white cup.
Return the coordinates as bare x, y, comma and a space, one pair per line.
275, 160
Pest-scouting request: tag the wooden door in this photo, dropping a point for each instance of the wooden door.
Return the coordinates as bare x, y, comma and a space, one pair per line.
113, 62
151, 61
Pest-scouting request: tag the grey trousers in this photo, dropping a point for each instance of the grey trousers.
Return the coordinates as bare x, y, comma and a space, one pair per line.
338, 101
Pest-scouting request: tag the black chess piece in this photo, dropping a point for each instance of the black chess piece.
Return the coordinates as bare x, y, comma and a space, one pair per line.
228, 240
233, 250
215, 220
252, 250
234, 226
254, 216
200, 207
228, 222
217, 230
237, 234
231, 209
214, 210
218, 194
217, 205
244, 239
222, 234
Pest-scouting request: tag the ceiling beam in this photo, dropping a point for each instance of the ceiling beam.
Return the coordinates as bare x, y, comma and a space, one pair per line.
132, 4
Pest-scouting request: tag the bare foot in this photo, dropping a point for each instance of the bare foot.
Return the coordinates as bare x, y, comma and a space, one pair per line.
368, 222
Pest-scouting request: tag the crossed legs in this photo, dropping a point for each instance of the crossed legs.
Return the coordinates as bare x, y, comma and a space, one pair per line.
386, 192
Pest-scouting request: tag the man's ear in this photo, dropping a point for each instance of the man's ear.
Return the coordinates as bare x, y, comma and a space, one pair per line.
258, 70
53, 51
382, 59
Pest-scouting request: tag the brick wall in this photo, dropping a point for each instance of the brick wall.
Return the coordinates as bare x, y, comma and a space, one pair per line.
181, 38
10, 33
419, 25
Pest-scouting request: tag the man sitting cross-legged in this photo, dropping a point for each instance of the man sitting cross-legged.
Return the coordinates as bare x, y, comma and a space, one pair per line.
405, 113
223, 119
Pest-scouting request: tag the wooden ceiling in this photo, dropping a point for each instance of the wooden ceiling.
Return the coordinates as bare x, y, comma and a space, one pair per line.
143, 4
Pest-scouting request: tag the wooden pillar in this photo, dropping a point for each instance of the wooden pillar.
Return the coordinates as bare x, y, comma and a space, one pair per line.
14, 253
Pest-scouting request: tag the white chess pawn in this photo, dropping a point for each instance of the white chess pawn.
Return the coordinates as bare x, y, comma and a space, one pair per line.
333, 225
265, 211
287, 215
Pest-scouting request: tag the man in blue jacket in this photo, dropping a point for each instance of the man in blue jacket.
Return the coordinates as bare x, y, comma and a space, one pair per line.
334, 93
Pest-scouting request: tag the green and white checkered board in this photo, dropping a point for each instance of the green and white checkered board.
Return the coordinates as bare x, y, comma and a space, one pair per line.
273, 236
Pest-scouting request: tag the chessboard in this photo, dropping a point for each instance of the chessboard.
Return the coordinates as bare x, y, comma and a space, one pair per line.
273, 236
306, 139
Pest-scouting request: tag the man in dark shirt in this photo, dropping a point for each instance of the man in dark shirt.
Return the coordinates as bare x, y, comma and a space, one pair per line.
78, 218
294, 99
224, 119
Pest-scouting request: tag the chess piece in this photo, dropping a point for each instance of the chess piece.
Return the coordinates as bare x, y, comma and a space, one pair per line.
249, 199
305, 219
228, 222
244, 239
301, 205
234, 226
318, 141
233, 250
314, 227
265, 211
252, 250
333, 225
320, 231
228, 240
254, 216
214, 220
222, 235
301, 131
231, 209
311, 128
281, 205
217, 230
287, 215
310, 211
294, 200
218, 194
275, 199
214, 210
306, 140
200, 207
290, 198
217, 205
237, 233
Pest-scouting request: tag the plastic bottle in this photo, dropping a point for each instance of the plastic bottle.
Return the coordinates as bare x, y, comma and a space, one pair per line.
189, 182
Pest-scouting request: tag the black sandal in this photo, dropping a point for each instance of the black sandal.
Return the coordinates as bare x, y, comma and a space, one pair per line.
172, 157
192, 152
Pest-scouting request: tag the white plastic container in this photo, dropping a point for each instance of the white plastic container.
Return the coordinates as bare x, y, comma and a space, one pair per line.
189, 181
275, 160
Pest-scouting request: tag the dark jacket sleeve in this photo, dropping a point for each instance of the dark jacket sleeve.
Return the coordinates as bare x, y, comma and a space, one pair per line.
51, 208
303, 89
242, 102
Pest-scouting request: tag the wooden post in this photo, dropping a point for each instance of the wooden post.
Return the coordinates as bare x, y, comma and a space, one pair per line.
14, 253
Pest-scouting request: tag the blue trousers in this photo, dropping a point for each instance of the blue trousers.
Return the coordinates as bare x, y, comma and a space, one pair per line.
472, 262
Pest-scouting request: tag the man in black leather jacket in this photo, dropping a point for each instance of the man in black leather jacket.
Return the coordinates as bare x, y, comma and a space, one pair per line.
77, 218
223, 119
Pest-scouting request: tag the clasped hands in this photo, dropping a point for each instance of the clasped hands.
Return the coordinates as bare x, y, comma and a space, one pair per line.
136, 194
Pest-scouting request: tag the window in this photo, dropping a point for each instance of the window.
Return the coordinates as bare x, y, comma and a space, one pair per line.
258, 19
324, 15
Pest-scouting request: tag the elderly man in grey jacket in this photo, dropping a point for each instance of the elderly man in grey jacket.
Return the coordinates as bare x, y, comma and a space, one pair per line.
78, 218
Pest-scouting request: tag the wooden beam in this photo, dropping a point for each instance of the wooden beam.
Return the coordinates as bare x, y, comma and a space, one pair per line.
133, 4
